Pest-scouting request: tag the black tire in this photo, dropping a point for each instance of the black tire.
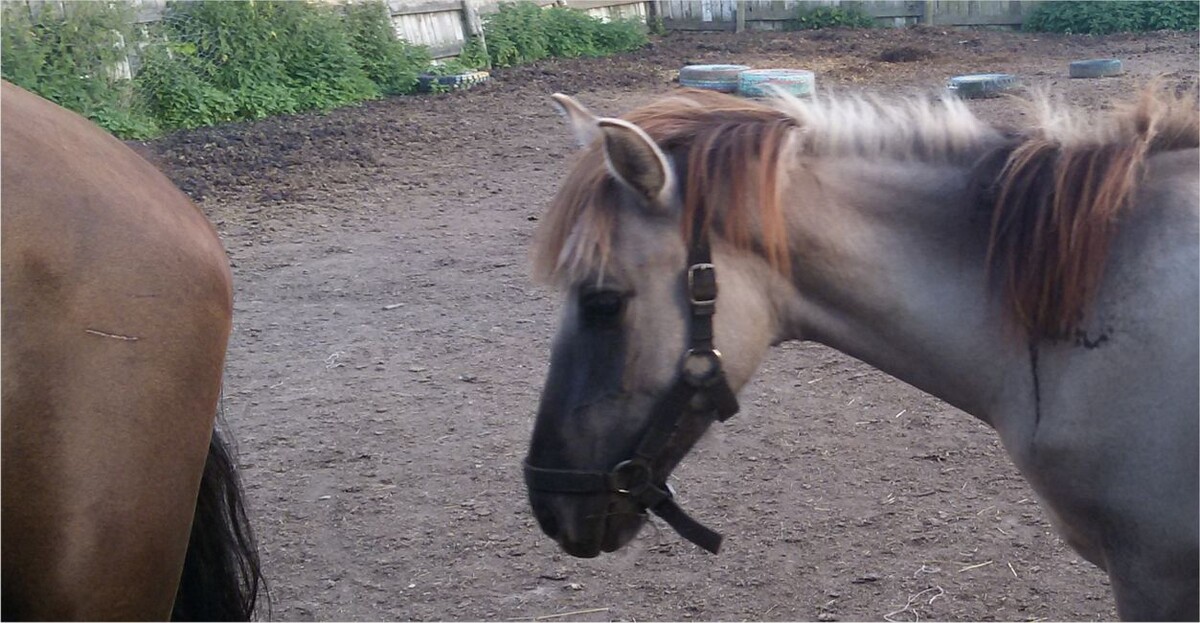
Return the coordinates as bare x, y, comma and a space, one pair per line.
723, 78
982, 85
1096, 68
426, 82
798, 82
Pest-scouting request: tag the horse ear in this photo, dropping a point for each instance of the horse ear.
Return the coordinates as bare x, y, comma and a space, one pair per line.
582, 121
637, 162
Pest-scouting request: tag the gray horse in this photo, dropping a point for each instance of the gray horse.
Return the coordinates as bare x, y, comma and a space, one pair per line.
1044, 281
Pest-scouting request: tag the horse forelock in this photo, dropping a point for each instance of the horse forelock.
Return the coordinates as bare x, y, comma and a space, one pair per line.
1057, 200
727, 151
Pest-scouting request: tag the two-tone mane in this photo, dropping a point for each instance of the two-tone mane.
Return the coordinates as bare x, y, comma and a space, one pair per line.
1055, 197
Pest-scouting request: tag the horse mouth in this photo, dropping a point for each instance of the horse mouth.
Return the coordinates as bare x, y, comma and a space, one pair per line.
592, 548
615, 535
585, 528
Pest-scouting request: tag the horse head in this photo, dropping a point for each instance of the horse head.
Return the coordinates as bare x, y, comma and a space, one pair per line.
641, 364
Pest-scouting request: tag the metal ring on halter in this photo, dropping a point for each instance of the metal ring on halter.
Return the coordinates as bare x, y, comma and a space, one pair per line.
630, 477
708, 373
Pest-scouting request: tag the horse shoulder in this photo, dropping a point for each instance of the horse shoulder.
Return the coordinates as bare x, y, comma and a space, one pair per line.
1124, 384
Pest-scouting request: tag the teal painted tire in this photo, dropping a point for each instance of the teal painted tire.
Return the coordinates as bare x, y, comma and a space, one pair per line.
723, 78
982, 85
1096, 68
426, 82
758, 82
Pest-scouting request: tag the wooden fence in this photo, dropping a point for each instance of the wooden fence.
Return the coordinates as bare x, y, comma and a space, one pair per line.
441, 25
776, 14
444, 26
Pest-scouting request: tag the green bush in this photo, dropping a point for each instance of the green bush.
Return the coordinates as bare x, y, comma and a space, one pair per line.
21, 58
523, 32
238, 51
569, 33
391, 63
1109, 17
70, 57
213, 61
474, 55
625, 35
515, 34
323, 69
249, 60
170, 82
452, 67
832, 17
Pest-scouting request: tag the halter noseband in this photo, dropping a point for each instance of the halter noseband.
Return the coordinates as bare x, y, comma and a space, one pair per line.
700, 389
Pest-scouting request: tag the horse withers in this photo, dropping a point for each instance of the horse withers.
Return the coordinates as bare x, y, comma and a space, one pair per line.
120, 500
1044, 280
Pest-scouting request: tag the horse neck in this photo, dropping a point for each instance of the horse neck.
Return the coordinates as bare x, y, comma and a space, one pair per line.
889, 268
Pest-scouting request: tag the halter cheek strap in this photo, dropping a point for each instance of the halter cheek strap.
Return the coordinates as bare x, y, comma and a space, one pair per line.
700, 390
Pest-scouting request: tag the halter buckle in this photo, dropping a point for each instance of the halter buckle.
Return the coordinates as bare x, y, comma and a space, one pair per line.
702, 285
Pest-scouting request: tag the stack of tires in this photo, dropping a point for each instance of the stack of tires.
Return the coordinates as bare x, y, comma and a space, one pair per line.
748, 82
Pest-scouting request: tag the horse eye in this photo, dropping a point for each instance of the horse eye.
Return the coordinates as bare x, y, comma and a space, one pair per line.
601, 307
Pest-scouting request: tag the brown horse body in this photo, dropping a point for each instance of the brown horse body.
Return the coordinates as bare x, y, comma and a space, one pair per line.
117, 306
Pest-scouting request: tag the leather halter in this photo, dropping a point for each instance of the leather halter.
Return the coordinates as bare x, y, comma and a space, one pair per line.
700, 390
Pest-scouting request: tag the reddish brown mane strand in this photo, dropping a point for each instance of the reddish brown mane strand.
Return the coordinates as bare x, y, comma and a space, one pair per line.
727, 152
1057, 207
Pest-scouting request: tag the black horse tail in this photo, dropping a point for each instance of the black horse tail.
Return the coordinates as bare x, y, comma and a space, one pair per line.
222, 575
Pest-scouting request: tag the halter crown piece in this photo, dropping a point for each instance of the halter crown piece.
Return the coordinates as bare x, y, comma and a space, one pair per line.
700, 390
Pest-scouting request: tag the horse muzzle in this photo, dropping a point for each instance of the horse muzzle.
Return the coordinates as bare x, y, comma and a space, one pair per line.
584, 525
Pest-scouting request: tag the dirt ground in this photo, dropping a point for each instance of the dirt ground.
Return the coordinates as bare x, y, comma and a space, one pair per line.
389, 349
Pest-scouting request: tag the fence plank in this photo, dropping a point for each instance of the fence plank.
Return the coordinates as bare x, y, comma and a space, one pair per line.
588, 5
682, 10
980, 20
414, 7
471, 21
695, 24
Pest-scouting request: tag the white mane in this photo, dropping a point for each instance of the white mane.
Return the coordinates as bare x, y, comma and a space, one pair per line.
857, 125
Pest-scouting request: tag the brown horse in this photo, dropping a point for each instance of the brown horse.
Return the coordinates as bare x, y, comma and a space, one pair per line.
120, 501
